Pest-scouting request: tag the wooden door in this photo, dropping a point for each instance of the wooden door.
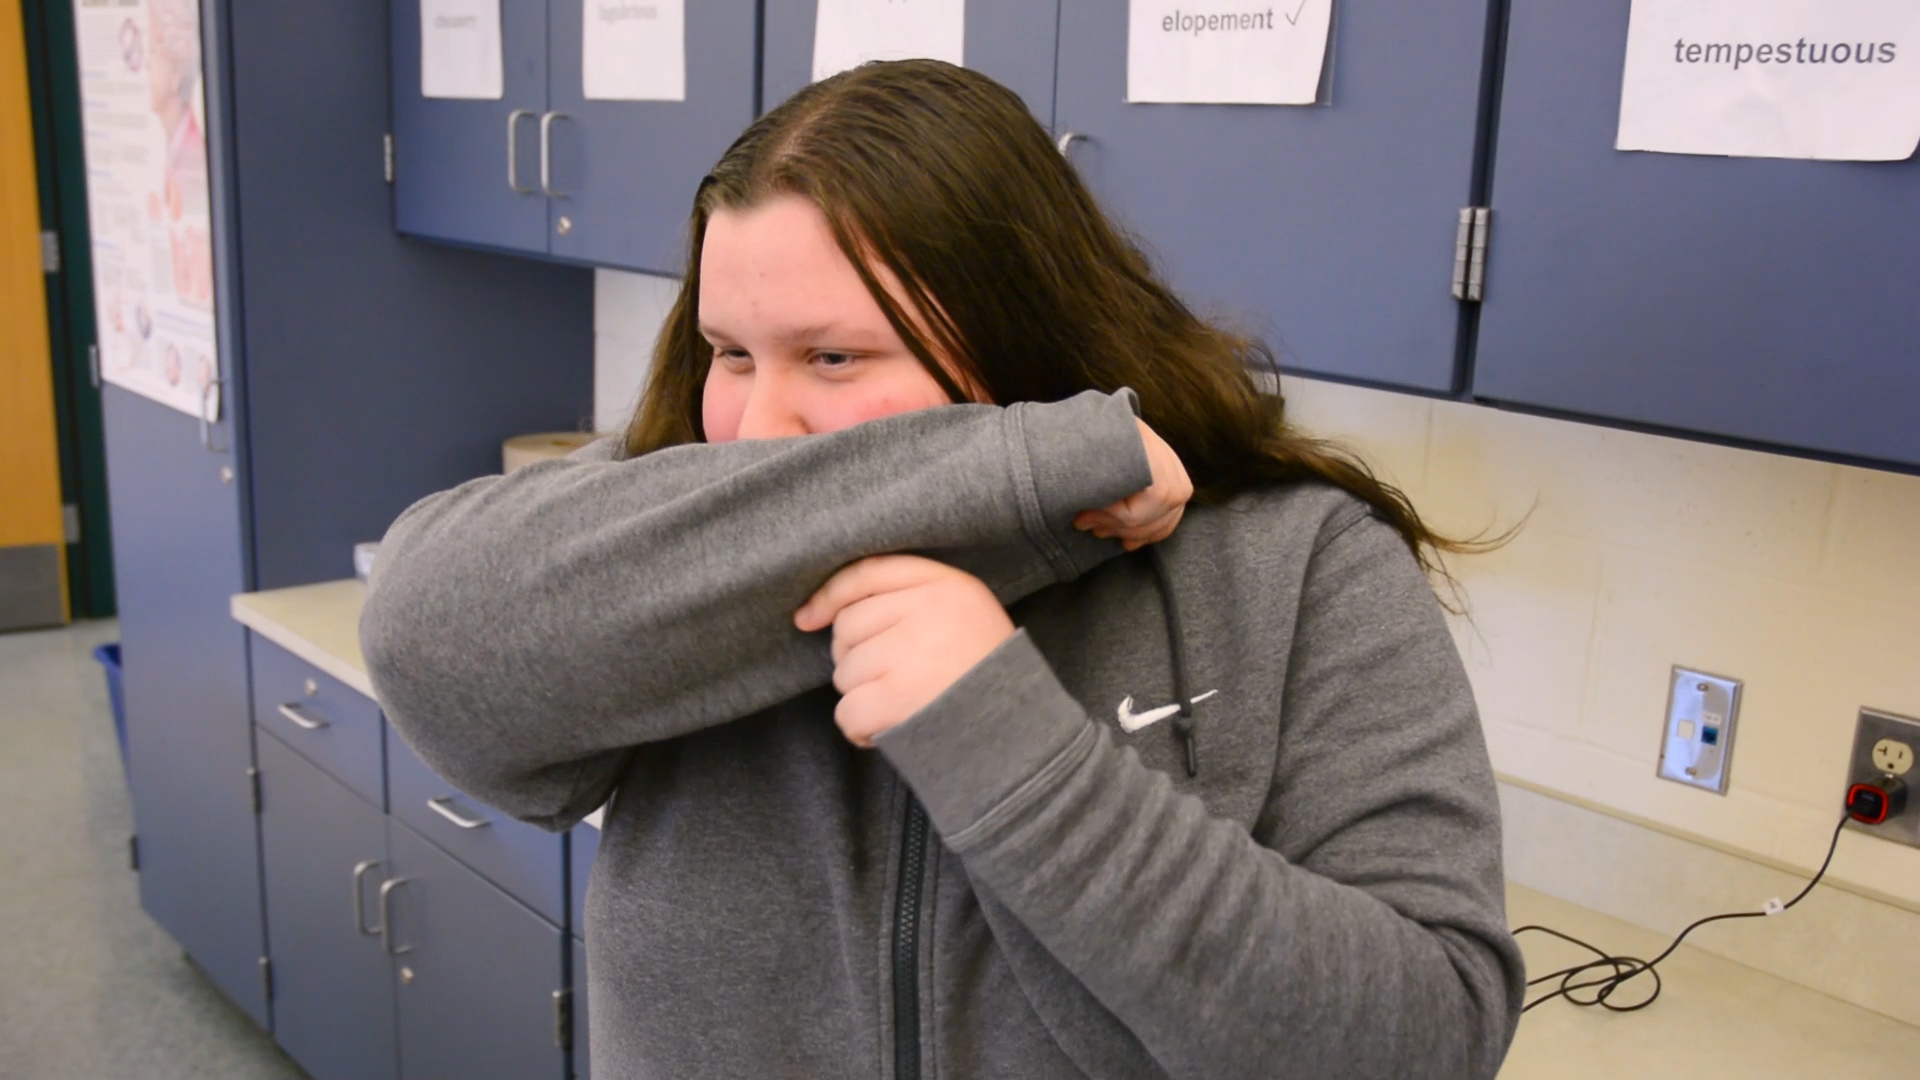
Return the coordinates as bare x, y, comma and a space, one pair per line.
33, 587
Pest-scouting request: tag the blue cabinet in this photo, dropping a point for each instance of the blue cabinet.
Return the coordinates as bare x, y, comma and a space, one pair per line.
543, 170
582, 1049
325, 852
626, 171
1757, 300
176, 558
421, 943
528, 863
321, 718
469, 170
1010, 40
363, 371
481, 988
584, 842
1329, 231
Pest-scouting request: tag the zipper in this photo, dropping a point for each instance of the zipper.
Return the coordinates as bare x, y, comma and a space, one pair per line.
906, 944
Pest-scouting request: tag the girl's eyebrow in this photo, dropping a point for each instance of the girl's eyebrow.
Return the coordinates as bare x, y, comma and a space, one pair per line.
802, 336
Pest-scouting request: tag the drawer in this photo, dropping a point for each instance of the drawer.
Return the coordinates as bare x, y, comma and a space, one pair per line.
584, 846
523, 860
323, 719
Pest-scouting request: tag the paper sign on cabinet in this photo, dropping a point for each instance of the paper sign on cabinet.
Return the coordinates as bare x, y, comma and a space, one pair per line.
848, 33
1233, 52
634, 50
1836, 80
460, 50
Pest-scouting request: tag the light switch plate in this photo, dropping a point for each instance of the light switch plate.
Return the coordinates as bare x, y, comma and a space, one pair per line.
1696, 745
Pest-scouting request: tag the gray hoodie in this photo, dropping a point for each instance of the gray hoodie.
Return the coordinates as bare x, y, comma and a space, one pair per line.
1012, 885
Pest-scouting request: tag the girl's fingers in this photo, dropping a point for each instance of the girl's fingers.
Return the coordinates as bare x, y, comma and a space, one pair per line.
862, 620
864, 578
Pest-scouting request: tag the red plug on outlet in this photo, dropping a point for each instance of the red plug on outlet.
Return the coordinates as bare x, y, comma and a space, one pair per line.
1877, 800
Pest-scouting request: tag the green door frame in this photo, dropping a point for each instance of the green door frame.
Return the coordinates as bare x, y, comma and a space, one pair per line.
53, 74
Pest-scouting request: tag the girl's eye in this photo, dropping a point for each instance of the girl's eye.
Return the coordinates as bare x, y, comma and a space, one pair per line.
833, 360
733, 359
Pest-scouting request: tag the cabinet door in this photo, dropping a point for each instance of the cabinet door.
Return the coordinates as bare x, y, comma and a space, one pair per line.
477, 970
469, 170
177, 561
628, 169
1328, 230
528, 862
325, 853
1755, 299
1012, 41
582, 1051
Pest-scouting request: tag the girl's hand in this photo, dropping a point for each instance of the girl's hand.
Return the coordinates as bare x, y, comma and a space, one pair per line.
904, 629
1149, 515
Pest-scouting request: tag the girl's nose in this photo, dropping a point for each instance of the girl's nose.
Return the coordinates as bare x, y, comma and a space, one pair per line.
773, 409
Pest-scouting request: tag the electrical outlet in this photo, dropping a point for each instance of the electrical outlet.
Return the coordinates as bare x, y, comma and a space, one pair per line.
1696, 746
1884, 746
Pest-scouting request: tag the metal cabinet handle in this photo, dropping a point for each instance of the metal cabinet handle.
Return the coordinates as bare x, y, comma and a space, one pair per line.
210, 414
1066, 140
303, 716
440, 805
546, 153
513, 152
359, 902
386, 916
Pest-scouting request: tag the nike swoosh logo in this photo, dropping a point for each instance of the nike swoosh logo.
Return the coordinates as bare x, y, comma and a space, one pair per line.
1131, 721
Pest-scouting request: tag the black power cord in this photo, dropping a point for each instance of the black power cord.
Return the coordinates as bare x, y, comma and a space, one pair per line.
1620, 970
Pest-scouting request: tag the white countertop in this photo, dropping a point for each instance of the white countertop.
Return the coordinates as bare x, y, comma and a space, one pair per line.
1715, 1018
317, 623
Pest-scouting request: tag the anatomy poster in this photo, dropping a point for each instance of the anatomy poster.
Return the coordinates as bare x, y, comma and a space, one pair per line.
144, 114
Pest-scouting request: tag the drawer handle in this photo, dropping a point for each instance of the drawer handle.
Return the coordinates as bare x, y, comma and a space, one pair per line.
546, 153
439, 806
513, 153
386, 917
303, 716
359, 903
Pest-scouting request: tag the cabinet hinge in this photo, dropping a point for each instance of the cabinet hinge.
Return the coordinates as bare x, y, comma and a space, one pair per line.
50, 251
387, 155
563, 1019
1470, 253
266, 976
133, 853
253, 781
70, 520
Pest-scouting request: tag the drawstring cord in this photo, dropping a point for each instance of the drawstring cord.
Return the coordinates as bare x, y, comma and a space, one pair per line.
1183, 722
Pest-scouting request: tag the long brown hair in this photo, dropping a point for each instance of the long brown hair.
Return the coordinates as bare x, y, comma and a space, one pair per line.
942, 176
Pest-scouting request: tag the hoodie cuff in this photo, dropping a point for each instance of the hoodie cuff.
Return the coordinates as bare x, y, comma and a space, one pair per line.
1079, 454
991, 743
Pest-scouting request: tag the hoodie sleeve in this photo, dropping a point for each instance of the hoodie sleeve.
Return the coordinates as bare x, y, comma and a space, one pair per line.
524, 632
1375, 946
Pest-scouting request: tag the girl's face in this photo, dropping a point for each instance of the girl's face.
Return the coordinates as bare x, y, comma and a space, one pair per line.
799, 345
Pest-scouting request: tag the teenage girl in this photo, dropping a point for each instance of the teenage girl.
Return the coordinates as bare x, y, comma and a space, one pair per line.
986, 680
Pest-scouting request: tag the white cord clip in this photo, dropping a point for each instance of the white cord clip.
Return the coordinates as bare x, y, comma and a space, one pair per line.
1773, 906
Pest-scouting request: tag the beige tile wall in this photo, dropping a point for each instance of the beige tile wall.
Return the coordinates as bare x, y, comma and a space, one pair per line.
1800, 578
627, 312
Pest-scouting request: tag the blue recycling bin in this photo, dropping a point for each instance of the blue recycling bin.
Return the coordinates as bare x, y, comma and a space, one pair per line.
109, 657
